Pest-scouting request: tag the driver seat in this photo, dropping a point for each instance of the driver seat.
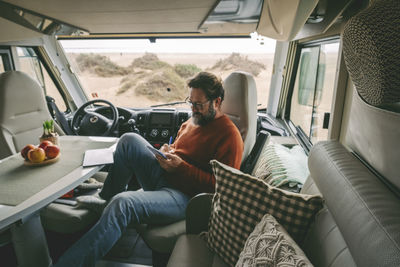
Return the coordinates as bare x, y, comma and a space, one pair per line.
23, 109
240, 105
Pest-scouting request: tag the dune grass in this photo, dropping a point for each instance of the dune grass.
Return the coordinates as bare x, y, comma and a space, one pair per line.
149, 76
238, 62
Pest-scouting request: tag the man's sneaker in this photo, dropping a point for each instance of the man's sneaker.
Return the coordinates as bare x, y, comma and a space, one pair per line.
92, 202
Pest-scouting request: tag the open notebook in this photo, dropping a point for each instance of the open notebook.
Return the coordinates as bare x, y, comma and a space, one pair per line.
94, 157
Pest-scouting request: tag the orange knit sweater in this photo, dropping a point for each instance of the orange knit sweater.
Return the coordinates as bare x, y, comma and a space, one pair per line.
197, 145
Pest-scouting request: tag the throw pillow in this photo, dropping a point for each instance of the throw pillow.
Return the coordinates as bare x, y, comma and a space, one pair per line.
282, 166
270, 245
239, 203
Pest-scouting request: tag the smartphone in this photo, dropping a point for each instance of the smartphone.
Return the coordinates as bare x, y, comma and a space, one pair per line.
156, 151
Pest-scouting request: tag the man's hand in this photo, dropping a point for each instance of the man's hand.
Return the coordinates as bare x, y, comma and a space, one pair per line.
165, 149
171, 163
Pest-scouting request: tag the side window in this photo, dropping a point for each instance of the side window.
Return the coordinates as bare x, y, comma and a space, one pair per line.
5, 60
313, 89
30, 63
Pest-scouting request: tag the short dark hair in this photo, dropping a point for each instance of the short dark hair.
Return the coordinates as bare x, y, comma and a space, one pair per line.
209, 83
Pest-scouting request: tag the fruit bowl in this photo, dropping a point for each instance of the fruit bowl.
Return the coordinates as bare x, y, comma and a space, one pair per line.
45, 162
45, 153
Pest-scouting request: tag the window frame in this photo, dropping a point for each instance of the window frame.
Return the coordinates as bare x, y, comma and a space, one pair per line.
51, 73
6, 58
297, 131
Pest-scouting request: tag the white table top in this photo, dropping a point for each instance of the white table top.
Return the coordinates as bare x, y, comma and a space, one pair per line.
12, 214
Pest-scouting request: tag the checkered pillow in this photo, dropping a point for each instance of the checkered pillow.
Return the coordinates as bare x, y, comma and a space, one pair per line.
239, 203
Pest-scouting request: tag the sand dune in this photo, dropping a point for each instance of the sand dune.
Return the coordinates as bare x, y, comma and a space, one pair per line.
107, 87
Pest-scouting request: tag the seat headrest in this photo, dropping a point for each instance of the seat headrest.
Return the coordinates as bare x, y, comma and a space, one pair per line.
16, 88
23, 109
371, 42
240, 105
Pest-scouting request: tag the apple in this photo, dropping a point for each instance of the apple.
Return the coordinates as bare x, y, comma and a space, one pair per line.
52, 151
36, 155
45, 143
25, 150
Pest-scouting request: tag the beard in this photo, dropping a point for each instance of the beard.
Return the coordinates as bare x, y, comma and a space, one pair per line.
203, 119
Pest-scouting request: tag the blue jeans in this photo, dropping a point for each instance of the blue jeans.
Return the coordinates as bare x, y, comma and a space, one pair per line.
155, 203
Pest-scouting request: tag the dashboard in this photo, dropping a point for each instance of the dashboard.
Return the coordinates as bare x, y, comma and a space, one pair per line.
156, 125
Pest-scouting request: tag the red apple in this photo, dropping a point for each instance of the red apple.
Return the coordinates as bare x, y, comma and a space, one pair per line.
25, 150
52, 151
36, 155
45, 143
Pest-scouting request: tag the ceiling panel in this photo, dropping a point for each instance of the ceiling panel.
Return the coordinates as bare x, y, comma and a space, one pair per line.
124, 16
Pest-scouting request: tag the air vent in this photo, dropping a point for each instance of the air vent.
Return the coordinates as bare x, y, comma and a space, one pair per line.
141, 118
182, 117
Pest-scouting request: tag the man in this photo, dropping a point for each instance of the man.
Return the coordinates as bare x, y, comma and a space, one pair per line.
167, 184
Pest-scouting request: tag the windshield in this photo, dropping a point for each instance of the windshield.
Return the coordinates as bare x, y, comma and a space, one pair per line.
141, 72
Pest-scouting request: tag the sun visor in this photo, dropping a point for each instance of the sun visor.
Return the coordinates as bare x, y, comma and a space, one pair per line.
283, 19
233, 16
14, 32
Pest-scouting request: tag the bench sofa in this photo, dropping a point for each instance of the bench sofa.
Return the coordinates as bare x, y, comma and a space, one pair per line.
358, 225
358, 177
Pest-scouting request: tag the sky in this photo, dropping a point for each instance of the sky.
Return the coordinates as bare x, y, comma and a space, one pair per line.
256, 44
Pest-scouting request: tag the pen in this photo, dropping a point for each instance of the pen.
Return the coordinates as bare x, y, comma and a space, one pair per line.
170, 142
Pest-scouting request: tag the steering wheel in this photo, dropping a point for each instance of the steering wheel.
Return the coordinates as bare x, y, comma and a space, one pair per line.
92, 123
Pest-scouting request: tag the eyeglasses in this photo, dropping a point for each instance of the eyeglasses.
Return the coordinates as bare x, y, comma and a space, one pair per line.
196, 105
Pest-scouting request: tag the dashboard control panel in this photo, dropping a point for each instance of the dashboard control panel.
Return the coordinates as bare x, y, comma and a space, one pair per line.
158, 125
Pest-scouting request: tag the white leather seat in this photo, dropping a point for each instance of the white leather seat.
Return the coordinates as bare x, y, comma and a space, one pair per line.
23, 109
240, 105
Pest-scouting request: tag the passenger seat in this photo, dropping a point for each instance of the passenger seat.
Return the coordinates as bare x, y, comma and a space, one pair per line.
23, 109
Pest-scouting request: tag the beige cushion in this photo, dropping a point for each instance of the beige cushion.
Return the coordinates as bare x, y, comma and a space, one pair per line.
67, 219
162, 238
270, 245
365, 210
192, 251
234, 213
376, 141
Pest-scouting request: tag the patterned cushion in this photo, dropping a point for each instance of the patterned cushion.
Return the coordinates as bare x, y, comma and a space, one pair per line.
270, 245
239, 203
371, 51
281, 166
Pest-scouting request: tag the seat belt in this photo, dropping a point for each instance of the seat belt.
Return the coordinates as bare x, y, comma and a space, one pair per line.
59, 116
